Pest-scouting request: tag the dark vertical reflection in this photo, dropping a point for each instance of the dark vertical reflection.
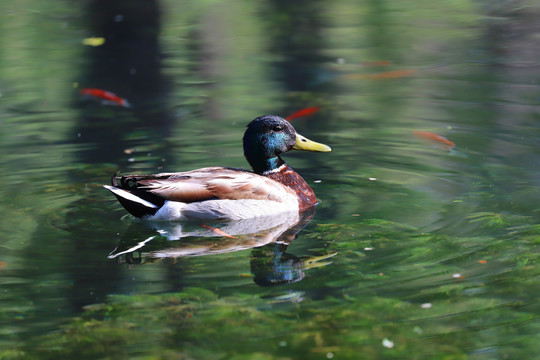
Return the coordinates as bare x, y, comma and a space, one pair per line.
512, 44
130, 65
295, 31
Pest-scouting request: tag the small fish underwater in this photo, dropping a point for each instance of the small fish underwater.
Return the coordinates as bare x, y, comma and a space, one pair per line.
106, 97
439, 141
302, 113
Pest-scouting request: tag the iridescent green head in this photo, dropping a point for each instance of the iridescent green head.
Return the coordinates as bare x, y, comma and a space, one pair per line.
269, 136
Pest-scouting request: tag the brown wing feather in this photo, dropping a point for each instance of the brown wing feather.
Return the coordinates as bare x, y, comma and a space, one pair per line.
213, 183
248, 186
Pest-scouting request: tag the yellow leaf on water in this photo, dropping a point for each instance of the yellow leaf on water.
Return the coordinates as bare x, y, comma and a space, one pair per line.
94, 41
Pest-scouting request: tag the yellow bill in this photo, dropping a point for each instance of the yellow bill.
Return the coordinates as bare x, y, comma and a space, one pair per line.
303, 143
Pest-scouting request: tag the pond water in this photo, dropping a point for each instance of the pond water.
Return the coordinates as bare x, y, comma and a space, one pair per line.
425, 241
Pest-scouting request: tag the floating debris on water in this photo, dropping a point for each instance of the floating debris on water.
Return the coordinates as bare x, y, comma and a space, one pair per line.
94, 41
387, 343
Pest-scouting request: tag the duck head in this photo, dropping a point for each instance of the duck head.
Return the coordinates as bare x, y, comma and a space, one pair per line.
269, 136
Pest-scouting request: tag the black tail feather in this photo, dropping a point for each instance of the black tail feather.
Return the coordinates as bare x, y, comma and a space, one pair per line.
129, 183
136, 209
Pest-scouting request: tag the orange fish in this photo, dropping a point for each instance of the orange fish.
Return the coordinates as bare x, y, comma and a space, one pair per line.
438, 139
382, 75
106, 97
303, 112
218, 231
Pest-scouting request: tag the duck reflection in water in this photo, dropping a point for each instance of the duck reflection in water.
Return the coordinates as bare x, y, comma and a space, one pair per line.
271, 265
147, 242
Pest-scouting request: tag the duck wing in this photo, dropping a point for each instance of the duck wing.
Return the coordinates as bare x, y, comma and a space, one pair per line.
206, 184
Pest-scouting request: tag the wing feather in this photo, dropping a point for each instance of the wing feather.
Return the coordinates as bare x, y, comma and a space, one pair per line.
213, 183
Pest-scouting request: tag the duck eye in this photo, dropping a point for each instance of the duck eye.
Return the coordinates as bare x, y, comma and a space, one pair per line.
278, 128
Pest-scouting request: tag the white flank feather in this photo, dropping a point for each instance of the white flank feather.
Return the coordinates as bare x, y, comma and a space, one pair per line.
129, 196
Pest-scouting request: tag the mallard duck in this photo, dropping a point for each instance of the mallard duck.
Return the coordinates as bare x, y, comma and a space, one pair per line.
227, 193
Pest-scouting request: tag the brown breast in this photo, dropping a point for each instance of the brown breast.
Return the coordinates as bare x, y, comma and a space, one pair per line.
288, 177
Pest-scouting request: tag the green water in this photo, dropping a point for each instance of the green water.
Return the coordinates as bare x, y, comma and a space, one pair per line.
416, 251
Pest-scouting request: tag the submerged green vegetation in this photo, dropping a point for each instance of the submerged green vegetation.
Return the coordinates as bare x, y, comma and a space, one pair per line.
438, 296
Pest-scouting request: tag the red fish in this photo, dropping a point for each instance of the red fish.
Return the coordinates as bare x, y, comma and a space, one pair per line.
218, 231
303, 112
106, 97
382, 75
426, 135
